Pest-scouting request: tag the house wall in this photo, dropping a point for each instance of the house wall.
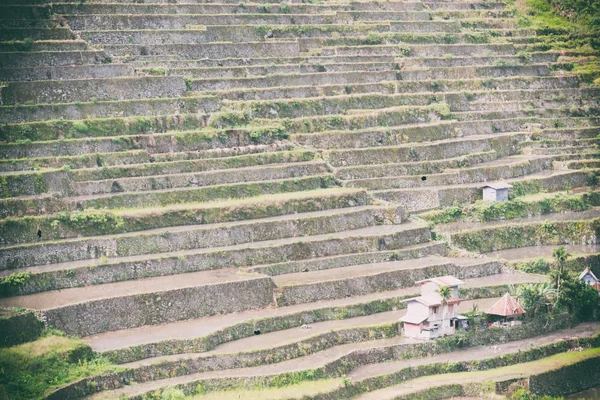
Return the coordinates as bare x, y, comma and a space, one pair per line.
416, 308
588, 279
412, 330
502, 195
489, 194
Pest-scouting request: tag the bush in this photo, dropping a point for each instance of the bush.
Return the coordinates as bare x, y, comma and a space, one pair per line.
30, 371
373, 39
584, 11
172, 394
579, 299
81, 127
539, 266
285, 8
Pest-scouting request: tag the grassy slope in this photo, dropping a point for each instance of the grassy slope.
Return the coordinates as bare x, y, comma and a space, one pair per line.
31, 369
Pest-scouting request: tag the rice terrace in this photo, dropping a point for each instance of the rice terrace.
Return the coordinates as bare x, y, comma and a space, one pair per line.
299, 199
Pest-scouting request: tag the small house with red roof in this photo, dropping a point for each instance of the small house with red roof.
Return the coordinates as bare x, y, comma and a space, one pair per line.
588, 277
430, 315
507, 308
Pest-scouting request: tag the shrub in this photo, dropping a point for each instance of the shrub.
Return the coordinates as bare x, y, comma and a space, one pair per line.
285, 8
81, 127
539, 266
373, 39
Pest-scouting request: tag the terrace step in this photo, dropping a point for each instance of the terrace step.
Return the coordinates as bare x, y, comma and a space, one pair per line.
210, 50
314, 79
499, 169
224, 33
148, 337
43, 46
455, 61
189, 237
426, 151
168, 167
356, 280
462, 226
264, 70
531, 253
416, 199
108, 109
322, 263
105, 270
36, 33
149, 301
188, 9
68, 91
168, 21
52, 58
93, 71
473, 72
199, 179
399, 170
271, 341
49, 203
55, 227
320, 359
504, 374
427, 50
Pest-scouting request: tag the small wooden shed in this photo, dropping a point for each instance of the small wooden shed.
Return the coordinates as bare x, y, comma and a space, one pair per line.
497, 191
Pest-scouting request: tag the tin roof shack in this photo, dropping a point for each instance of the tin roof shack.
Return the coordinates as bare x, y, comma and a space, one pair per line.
497, 191
435, 312
506, 310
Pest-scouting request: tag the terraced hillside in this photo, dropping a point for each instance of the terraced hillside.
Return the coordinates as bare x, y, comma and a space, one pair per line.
197, 187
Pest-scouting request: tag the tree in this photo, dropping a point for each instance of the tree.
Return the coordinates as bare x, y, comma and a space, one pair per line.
534, 296
580, 299
558, 272
446, 293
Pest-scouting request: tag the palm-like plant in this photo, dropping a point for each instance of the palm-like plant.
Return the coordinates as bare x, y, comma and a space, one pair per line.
446, 293
558, 273
533, 296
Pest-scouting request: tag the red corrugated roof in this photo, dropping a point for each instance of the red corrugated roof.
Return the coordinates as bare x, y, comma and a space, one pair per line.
507, 306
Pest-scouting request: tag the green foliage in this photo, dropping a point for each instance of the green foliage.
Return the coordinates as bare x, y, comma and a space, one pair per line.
268, 134
584, 11
81, 127
157, 71
579, 299
24, 45
172, 394
10, 284
539, 266
264, 9
18, 327
100, 222
558, 272
445, 292
285, 8
535, 298
189, 83
373, 39
523, 394
442, 109
29, 373
477, 38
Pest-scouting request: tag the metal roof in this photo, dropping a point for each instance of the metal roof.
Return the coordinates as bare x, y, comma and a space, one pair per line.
507, 306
